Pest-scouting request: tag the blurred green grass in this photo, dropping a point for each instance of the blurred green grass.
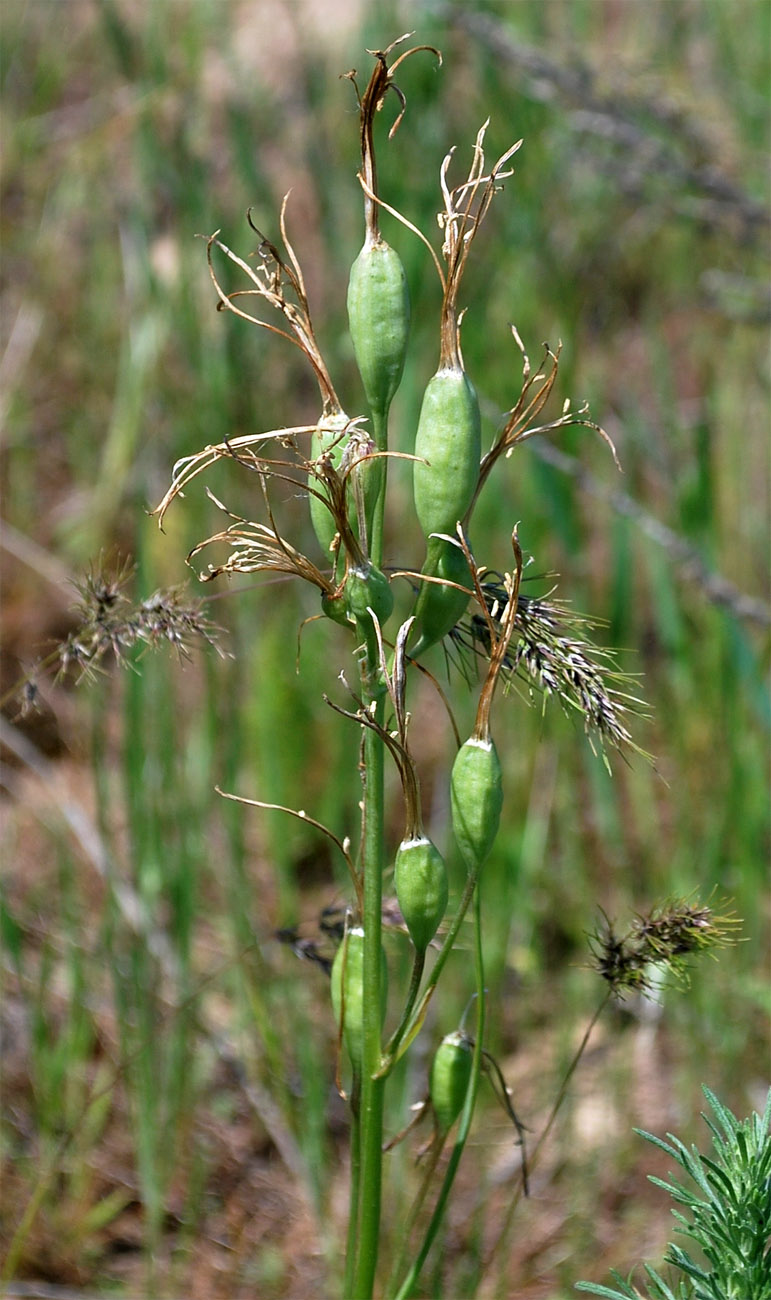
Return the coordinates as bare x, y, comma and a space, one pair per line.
634, 231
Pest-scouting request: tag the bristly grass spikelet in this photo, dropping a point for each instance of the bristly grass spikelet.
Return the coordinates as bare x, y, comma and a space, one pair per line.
550, 656
666, 938
111, 628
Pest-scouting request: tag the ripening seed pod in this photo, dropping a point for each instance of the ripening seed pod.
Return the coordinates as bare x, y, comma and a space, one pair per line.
379, 321
365, 589
476, 796
348, 991
420, 879
440, 607
450, 1078
449, 446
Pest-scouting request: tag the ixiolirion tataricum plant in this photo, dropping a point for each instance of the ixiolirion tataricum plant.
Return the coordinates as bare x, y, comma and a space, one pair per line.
340, 462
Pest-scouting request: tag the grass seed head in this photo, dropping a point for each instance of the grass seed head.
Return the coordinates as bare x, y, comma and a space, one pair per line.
663, 939
110, 625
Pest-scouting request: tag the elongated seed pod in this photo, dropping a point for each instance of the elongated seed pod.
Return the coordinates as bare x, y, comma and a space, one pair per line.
367, 589
449, 1078
379, 321
449, 446
347, 989
476, 797
439, 607
420, 879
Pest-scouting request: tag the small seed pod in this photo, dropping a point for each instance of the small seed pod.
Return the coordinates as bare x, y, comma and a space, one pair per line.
348, 991
366, 589
420, 879
335, 608
450, 1077
379, 321
476, 795
439, 607
449, 446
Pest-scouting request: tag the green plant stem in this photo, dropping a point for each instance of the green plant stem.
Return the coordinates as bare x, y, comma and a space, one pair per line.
533, 1155
355, 1189
415, 1209
467, 1113
372, 1088
444, 952
19, 1239
380, 438
398, 1034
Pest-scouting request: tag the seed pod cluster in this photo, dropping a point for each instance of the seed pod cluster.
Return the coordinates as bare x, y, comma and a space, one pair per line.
348, 991
476, 796
449, 1078
420, 879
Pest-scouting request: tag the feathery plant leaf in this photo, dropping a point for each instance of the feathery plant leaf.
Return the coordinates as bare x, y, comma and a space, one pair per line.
730, 1222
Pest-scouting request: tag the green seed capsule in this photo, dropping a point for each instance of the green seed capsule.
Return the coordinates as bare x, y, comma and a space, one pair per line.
449, 439
336, 609
349, 964
379, 321
329, 433
450, 1077
476, 795
420, 878
368, 589
439, 608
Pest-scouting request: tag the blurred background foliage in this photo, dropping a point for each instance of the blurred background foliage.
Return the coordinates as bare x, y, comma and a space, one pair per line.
171, 1122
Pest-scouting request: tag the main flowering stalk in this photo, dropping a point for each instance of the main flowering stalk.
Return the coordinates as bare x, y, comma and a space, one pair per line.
372, 1085
340, 464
